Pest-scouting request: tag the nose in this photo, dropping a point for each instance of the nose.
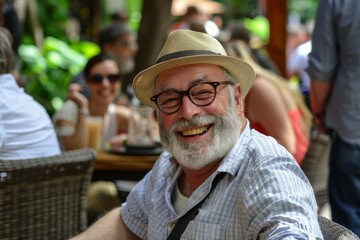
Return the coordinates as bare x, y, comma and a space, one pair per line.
188, 109
106, 81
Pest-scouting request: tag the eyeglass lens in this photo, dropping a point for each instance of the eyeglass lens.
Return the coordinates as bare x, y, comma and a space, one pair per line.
97, 78
201, 94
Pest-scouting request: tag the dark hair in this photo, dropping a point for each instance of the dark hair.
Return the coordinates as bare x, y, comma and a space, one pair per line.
12, 23
6, 51
112, 32
240, 32
192, 10
120, 16
99, 58
196, 25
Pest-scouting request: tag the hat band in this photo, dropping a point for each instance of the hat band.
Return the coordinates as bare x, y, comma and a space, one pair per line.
184, 54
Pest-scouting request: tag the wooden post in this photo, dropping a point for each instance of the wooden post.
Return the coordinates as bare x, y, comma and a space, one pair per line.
96, 19
1, 13
276, 12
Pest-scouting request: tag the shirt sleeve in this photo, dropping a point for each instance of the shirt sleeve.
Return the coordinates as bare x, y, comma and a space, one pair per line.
133, 212
324, 54
277, 212
67, 113
2, 135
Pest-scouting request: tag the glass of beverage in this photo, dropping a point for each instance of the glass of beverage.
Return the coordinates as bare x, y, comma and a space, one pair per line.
94, 126
140, 127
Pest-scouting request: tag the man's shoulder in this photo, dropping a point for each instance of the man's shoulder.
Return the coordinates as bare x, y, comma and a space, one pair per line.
264, 157
262, 146
253, 151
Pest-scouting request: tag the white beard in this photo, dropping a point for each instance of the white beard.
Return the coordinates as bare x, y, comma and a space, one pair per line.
226, 130
126, 65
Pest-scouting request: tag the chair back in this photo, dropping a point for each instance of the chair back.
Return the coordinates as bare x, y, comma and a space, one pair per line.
45, 198
316, 166
334, 231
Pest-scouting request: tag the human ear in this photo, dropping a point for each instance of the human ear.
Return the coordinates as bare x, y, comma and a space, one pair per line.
238, 98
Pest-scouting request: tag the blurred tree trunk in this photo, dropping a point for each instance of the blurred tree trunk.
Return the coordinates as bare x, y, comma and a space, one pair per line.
154, 27
1, 13
277, 15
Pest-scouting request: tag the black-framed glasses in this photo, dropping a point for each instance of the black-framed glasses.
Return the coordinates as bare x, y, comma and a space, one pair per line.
201, 94
98, 78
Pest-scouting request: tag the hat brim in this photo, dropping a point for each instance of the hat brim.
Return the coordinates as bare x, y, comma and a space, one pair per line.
144, 87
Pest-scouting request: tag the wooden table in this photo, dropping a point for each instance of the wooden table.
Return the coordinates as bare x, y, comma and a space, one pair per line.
114, 166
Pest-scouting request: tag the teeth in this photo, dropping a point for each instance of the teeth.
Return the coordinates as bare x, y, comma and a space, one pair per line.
194, 131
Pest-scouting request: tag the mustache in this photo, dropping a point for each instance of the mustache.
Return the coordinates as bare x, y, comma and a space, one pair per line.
194, 122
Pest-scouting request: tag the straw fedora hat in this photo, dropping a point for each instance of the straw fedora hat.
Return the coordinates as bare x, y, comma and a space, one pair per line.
185, 47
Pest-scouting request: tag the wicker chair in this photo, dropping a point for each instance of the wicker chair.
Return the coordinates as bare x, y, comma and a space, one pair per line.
316, 166
45, 198
334, 231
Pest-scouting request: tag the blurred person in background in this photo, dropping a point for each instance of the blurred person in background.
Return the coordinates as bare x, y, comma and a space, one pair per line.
335, 102
26, 130
239, 32
297, 62
192, 14
197, 20
72, 124
120, 16
118, 40
297, 34
13, 24
103, 78
273, 107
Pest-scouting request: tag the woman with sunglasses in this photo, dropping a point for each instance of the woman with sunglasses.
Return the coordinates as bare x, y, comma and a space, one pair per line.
104, 81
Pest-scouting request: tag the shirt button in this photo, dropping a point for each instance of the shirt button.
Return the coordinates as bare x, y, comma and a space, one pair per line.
173, 225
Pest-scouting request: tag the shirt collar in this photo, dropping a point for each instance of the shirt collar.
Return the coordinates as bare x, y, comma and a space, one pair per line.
232, 161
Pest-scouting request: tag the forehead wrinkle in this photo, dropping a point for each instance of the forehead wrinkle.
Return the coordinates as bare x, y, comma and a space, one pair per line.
201, 79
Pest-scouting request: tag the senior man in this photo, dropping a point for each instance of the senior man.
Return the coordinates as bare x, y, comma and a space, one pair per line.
217, 178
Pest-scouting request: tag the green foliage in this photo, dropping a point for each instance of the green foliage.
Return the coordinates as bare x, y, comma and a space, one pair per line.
240, 8
49, 72
53, 15
134, 8
305, 9
258, 26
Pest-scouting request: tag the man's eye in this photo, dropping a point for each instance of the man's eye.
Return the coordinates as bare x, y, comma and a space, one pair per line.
169, 102
203, 94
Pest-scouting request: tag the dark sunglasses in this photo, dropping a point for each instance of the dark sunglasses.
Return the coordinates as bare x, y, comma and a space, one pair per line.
98, 79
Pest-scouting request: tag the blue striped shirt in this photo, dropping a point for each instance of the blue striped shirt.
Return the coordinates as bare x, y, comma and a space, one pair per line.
263, 195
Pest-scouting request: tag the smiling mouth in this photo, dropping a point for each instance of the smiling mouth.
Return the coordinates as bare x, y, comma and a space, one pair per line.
105, 93
195, 131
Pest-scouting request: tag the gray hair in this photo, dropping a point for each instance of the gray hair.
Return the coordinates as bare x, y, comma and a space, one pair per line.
6, 52
229, 77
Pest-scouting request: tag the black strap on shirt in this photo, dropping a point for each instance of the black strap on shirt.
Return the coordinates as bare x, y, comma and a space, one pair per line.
184, 220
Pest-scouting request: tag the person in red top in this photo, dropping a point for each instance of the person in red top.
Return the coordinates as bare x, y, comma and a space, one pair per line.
274, 108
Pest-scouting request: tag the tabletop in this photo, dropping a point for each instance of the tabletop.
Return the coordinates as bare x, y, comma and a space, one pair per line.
115, 166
